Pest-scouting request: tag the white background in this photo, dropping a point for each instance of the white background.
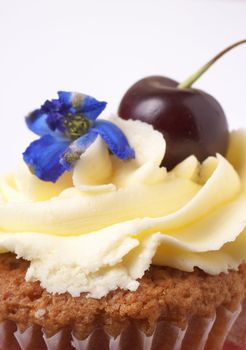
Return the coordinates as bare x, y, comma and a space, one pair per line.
101, 47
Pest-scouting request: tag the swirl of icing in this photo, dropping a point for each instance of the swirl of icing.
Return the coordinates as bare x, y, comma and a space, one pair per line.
101, 226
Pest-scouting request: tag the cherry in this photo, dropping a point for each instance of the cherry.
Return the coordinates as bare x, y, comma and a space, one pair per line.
191, 121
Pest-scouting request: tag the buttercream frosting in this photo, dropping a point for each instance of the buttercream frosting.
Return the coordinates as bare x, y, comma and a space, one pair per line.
102, 225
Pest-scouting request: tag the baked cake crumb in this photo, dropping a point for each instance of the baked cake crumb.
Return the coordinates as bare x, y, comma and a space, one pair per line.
164, 294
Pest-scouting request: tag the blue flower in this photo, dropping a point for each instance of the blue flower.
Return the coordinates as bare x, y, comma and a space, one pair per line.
67, 126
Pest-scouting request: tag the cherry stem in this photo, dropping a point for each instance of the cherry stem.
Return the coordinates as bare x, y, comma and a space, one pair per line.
194, 77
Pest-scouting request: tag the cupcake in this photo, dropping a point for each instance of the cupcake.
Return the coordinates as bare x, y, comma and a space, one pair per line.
106, 247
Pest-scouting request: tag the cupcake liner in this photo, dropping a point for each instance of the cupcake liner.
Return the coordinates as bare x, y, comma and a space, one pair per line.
226, 330
238, 333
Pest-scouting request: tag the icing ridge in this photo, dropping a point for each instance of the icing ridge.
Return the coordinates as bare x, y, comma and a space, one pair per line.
101, 226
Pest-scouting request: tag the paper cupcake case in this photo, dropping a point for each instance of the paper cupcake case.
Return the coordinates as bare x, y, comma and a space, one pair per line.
227, 331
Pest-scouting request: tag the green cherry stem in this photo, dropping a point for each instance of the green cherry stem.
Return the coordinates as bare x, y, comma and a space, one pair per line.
194, 77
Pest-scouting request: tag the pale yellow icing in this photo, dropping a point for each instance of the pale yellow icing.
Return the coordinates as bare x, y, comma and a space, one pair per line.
102, 225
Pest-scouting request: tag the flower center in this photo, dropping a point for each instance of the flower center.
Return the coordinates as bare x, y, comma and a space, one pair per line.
76, 125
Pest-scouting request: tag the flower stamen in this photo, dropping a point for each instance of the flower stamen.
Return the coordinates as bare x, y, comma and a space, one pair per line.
76, 125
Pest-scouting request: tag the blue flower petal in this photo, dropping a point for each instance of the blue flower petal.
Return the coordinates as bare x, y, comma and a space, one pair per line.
55, 111
55, 120
114, 138
91, 108
76, 148
37, 123
65, 97
43, 157
87, 105
58, 122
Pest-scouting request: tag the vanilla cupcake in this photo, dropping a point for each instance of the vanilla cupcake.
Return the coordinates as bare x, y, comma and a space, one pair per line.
102, 248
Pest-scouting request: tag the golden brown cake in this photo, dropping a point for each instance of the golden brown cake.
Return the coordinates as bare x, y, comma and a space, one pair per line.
165, 297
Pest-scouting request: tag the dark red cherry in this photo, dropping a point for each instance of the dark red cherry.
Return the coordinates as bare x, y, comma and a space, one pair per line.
192, 121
